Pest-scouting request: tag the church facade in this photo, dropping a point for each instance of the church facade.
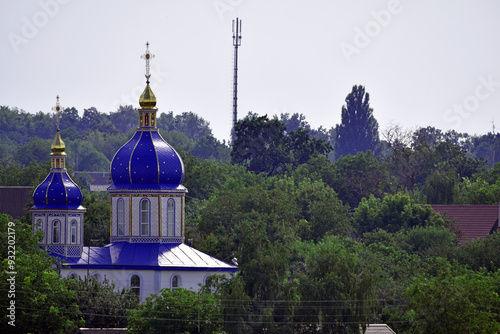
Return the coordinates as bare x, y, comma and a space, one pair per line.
147, 227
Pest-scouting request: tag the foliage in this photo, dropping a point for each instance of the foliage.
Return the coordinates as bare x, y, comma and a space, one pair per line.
96, 219
392, 213
177, 311
101, 305
360, 176
263, 146
337, 291
455, 300
358, 131
43, 303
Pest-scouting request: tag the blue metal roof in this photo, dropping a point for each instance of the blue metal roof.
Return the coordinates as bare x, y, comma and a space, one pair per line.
147, 256
147, 159
58, 191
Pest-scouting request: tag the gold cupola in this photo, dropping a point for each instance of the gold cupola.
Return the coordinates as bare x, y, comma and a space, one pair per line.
57, 147
147, 99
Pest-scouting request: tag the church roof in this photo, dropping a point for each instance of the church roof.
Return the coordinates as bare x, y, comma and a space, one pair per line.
147, 256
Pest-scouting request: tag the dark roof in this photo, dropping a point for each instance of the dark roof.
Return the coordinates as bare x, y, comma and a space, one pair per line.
13, 200
473, 221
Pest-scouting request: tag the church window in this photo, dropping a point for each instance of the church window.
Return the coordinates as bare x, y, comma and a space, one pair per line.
176, 282
96, 277
73, 232
171, 217
121, 216
147, 119
135, 285
73, 276
56, 230
39, 227
145, 217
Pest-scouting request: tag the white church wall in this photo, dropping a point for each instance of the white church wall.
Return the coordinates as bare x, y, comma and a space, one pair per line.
152, 281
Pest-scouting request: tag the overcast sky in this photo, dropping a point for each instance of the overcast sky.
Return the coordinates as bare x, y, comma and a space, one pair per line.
424, 63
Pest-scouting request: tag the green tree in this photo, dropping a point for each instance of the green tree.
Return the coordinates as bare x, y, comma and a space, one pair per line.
360, 176
392, 213
260, 145
43, 303
36, 149
358, 131
101, 305
177, 311
455, 300
338, 290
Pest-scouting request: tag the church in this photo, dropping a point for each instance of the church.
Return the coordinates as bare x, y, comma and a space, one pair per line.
147, 228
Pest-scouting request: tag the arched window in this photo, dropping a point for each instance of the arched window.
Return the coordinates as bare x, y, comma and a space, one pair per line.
73, 276
170, 217
39, 227
145, 216
96, 277
120, 211
176, 282
72, 229
135, 285
56, 232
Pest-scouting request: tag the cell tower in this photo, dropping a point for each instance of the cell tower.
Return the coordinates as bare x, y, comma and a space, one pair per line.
236, 44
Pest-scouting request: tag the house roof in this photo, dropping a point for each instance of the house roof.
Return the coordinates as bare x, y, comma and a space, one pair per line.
13, 200
473, 221
147, 256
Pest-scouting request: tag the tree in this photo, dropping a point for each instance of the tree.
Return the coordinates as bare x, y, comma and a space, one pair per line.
263, 146
337, 291
393, 213
177, 311
42, 301
294, 122
260, 145
358, 131
360, 176
101, 305
410, 157
455, 300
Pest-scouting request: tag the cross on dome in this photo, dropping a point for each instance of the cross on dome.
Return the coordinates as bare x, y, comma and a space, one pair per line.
57, 108
147, 56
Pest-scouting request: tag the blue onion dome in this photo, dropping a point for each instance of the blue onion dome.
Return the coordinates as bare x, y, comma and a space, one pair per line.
58, 191
147, 161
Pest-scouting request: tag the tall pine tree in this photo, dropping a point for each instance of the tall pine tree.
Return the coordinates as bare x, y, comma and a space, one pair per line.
358, 131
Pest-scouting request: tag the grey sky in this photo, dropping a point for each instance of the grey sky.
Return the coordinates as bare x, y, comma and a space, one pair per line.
423, 62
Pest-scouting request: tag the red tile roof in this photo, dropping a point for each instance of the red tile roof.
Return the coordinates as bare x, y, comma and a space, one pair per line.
473, 221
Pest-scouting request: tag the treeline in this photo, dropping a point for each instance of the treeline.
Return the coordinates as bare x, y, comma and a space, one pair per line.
93, 139
327, 239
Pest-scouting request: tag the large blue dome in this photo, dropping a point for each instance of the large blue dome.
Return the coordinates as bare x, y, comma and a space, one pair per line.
146, 161
58, 191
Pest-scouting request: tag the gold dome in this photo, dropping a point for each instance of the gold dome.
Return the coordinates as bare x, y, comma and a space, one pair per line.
147, 99
57, 147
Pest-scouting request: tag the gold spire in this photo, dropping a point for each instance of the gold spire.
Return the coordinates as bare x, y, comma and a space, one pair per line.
147, 99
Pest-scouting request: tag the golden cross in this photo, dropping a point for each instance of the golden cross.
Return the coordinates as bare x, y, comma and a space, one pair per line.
58, 110
147, 56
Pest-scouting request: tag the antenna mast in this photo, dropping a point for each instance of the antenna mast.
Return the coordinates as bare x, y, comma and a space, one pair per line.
236, 44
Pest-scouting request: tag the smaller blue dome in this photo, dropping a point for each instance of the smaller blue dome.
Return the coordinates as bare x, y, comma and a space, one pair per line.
58, 191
